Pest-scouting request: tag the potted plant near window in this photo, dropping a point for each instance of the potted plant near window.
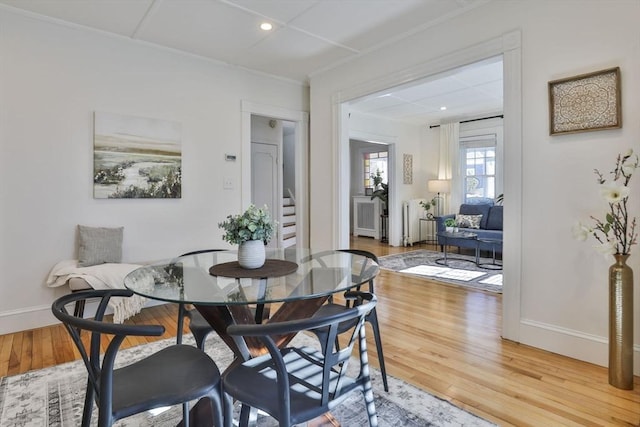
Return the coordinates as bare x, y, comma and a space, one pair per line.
251, 231
377, 179
382, 194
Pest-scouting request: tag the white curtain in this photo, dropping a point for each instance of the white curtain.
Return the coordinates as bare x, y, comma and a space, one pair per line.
449, 164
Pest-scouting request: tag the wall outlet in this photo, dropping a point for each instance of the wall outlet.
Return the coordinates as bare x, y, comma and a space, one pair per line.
227, 183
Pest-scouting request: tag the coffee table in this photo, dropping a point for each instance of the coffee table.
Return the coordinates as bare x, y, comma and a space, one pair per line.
493, 265
455, 235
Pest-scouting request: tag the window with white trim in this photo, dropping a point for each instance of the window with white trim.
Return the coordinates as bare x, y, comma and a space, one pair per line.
478, 166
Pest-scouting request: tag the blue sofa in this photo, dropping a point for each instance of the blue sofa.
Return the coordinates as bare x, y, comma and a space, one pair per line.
490, 225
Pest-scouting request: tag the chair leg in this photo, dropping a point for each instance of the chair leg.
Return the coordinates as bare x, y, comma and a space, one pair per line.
245, 414
200, 338
88, 405
209, 411
186, 417
227, 403
180, 323
78, 309
367, 386
373, 319
222, 408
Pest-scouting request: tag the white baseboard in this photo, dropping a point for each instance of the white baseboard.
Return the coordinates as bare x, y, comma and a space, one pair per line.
571, 343
40, 316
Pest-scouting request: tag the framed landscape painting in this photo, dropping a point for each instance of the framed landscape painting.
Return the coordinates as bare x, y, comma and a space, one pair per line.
135, 157
585, 103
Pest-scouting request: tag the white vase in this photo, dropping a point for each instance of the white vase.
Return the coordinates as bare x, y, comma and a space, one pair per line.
251, 254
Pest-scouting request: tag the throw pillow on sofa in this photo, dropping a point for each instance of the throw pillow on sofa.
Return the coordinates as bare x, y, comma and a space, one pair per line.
468, 221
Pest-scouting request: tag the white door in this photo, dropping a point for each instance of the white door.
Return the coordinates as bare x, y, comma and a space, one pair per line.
264, 181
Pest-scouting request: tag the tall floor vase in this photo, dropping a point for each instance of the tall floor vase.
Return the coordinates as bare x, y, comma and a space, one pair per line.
621, 324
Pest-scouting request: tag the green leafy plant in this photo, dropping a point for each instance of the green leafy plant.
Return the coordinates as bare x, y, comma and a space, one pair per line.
377, 178
617, 232
450, 222
428, 204
253, 224
382, 193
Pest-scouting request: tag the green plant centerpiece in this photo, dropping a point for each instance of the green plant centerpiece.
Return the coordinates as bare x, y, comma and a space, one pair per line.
251, 231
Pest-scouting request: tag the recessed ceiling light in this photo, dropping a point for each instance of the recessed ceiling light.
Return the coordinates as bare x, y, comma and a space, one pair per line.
443, 108
266, 26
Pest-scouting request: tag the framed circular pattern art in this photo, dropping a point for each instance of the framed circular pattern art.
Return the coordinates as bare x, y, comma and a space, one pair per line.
586, 102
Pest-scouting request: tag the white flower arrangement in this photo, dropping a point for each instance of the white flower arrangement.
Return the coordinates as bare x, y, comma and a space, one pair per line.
617, 232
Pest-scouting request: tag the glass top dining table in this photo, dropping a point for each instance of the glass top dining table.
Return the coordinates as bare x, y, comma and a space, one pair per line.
296, 281
291, 285
214, 278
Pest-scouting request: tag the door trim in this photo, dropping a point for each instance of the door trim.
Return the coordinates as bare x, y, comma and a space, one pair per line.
509, 45
301, 120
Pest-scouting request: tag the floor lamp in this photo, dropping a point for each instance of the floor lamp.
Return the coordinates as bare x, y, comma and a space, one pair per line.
439, 186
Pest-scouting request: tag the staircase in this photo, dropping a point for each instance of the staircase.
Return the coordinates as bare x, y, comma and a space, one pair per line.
288, 230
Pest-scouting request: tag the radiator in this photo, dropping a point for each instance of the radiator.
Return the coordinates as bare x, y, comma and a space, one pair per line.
411, 212
366, 217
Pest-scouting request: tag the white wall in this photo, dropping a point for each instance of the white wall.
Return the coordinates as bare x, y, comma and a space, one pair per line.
561, 294
52, 79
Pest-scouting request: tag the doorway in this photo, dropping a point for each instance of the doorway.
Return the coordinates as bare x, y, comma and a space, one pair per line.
509, 46
264, 181
291, 127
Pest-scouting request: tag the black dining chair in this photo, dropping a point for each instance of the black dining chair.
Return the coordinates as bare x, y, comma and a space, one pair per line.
198, 325
297, 384
371, 318
177, 374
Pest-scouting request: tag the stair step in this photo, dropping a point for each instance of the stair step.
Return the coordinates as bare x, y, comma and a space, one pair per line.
289, 236
288, 243
288, 210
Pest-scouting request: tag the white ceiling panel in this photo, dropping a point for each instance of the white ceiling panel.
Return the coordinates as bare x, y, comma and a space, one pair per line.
359, 24
202, 28
400, 110
270, 57
430, 89
492, 90
481, 73
279, 10
308, 35
116, 16
468, 92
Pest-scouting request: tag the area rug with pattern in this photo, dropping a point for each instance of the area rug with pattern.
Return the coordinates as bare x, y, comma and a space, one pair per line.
460, 270
53, 397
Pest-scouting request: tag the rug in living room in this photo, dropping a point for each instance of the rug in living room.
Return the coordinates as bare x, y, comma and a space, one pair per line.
55, 396
461, 269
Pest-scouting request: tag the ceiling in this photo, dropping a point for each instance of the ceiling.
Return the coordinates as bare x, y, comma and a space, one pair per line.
461, 94
308, 36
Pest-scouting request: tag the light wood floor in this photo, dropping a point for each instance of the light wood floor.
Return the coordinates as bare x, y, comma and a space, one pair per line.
443, 339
